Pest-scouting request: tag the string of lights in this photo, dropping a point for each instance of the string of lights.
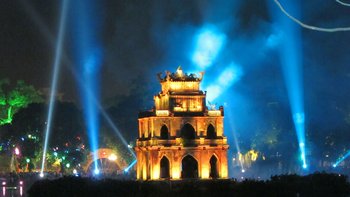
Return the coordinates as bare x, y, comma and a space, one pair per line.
342, 3
311, 27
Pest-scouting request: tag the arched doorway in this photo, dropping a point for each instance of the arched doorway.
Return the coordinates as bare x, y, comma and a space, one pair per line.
188, 132
211, 133
164, 168
189, 167
213, 167
164, 133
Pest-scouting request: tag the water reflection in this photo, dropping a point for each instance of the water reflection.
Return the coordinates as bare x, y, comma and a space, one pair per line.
12, 192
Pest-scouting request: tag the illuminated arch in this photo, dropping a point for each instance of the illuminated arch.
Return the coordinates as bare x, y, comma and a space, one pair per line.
104, 153
164, 132
187, 132
211, 133
164, 167
189, 167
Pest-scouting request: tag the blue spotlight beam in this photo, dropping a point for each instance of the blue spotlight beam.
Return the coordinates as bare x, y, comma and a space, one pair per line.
116, 130
104, 113
50, 38
130, 166
90, 112
230, 118
56, 68
227, 78
341, 159
208, 43
291, 62
88, 55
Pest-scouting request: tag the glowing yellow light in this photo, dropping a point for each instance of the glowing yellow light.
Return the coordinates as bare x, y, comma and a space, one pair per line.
162, 112
144, 173
56, 163
176, 86
201, 140
155, 172
224, 172
112, 157
240, 156
205, 172
179, 109
253, 155
214, 113
179, 71
176, 173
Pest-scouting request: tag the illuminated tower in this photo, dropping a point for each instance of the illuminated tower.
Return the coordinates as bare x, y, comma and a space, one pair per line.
180, 138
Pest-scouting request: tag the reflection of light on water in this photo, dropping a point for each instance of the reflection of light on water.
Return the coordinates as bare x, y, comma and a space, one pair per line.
13, 192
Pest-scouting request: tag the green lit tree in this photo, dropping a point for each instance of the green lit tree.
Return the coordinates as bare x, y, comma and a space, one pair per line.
13, 99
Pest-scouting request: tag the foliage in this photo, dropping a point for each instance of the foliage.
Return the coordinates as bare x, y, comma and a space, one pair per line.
11, 100
27, 131
108, 139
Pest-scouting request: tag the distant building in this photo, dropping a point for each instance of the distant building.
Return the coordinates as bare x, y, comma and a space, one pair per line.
180, 138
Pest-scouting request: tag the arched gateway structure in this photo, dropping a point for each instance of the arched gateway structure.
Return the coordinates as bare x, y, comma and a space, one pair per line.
180, 138
107, 160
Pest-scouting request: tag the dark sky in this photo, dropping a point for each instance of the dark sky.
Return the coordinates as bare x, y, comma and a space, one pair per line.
141, 38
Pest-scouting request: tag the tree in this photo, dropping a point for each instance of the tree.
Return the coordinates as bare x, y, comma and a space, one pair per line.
27, 132
11, 100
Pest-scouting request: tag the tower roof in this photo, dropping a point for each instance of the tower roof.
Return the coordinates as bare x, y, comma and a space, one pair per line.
179, 75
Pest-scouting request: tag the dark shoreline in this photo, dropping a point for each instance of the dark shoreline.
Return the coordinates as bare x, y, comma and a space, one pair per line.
317, 184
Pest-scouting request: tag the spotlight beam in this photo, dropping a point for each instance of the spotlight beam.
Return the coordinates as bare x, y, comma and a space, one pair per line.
38, 22
130, 166
229, 113
209, 41
103, 112
292, 66
115, 129
88, 57
228, 77
315, 28
50, 38
341, 159
56, 68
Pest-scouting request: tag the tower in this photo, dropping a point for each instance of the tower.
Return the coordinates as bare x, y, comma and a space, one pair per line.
180, 137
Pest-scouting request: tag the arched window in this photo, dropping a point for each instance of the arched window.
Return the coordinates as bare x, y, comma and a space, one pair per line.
164, 133
188, 132
211, 133
189, 167
213, 167
164, 168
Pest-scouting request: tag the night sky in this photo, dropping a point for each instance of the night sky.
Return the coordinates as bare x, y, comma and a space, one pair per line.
141, 38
